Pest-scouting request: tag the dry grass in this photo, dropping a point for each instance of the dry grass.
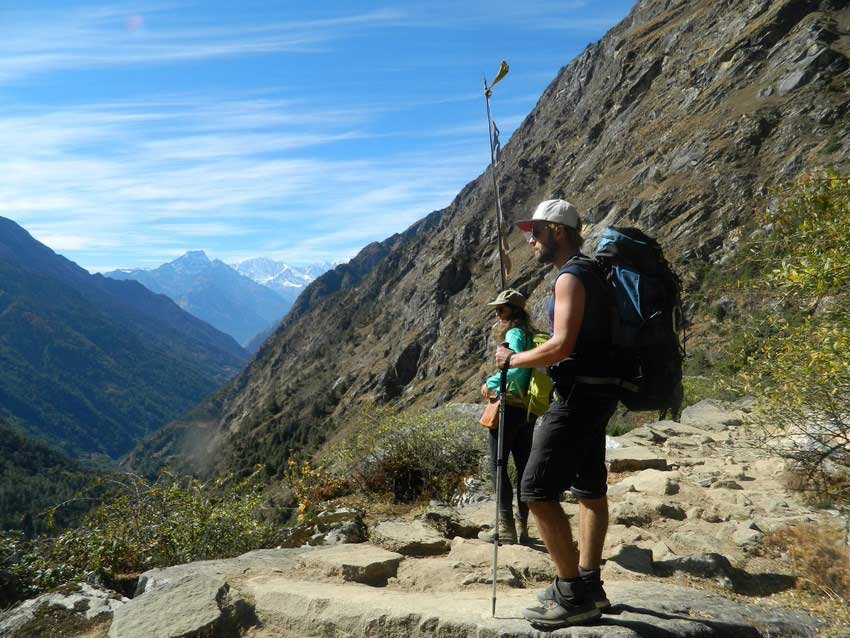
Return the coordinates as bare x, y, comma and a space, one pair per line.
819, 558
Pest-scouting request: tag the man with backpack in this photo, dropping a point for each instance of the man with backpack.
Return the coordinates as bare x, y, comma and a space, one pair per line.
568, 451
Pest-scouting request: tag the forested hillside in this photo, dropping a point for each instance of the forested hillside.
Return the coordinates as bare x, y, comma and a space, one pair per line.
91, 364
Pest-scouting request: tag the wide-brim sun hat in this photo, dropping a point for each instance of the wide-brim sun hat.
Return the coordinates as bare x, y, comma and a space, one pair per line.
509, 297
555, 211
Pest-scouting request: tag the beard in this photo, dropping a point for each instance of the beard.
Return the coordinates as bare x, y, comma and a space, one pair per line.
545, 251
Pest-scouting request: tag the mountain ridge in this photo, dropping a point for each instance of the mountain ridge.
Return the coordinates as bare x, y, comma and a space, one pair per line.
214, 292
232, 301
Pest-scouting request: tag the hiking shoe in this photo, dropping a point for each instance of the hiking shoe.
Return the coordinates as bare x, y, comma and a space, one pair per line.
593, 591
564, 609
522, 531
507, 532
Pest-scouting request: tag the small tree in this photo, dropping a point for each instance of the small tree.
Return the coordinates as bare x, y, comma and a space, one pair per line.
797, 356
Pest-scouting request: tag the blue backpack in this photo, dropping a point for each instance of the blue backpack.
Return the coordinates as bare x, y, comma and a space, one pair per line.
647, 319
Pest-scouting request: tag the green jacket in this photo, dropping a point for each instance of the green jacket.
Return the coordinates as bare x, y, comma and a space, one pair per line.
518, 378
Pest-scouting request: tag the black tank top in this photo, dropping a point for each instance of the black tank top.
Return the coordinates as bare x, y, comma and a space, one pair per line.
592, 350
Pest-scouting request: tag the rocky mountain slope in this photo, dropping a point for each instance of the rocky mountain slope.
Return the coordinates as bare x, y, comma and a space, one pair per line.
690, 505
677, 121
216, 293
90, 364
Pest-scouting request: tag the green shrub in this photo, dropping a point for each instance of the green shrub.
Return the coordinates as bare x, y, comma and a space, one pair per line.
797, 358
409, 455
311, 484
170, 521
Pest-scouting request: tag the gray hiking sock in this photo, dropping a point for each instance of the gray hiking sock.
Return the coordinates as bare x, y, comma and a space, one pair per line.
573, 590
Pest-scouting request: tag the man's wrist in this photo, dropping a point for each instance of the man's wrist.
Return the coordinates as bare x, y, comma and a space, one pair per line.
507, 363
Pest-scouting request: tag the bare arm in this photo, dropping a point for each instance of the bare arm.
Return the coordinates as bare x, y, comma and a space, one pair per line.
569, 312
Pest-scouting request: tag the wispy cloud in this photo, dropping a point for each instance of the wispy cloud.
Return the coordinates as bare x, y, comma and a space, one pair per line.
118, 179
93, 36
470, 14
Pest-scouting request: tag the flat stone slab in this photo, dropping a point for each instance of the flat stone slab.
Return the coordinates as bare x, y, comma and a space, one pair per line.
447, 575
712, 415
361, 563
262, 591
673, 429
529, 563
632, 459
410, 538
290, 608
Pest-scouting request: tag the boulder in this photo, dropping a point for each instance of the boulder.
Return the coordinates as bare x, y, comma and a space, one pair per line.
711, 414
623, 535
409, 538
328, 527
662, 551
338, 526
710, 565
711, 513
632, 558
641, 512
196, 604
361, 563
77, 609
620, 489
769, 468
726, 484
448, 521
747, 535
631, 459
650, 482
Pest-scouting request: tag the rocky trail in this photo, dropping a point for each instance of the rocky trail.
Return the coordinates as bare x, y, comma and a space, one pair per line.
689, 501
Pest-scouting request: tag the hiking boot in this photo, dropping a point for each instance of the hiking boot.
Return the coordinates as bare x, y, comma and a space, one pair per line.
507, 531
569, 606
522, 530
592, 587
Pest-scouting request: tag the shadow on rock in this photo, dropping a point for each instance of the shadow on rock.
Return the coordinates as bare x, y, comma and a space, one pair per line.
718, 567
647, 629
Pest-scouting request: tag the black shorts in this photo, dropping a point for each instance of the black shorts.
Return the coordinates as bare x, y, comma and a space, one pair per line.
568, 451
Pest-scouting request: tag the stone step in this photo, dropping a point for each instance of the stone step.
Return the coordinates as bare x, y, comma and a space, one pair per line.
303, 609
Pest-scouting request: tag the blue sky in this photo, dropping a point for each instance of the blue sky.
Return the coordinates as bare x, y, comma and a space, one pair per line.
132, 132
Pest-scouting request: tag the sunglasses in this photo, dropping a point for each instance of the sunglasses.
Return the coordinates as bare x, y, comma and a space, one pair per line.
536, 232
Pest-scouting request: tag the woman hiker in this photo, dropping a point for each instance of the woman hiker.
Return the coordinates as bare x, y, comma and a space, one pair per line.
515, 329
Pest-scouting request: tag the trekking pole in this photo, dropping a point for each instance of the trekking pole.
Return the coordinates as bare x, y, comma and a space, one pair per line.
494, 144
500, 452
